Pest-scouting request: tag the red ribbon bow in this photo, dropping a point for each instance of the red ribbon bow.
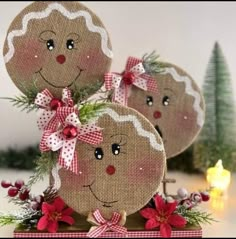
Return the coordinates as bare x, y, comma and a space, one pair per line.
65, 139
104, 225
49, 117
134, 75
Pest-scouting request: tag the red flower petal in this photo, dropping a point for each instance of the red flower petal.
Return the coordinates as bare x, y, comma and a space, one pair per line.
151, 223
170, 207
176, 220
148, 213
68, 211
68, 220
159, 202
52, 226
59, 204
42, 223
47, 208
165, 230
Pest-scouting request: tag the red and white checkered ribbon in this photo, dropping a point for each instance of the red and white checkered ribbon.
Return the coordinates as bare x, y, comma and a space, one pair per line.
48, 119
134, 75
104, 225
54, 141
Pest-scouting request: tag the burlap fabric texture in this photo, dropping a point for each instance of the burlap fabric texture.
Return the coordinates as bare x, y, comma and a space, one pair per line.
177, 110
57, 45
123, 172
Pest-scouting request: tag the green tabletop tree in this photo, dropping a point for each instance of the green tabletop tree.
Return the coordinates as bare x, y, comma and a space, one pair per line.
218, 136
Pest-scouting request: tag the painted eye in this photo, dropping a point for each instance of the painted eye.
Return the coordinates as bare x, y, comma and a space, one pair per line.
70, 44
98, 153
50, 45
149, 101
115, 149
166, 101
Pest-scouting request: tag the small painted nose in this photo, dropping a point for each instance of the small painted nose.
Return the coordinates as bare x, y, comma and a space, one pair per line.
157, 114
110, 170
61, 59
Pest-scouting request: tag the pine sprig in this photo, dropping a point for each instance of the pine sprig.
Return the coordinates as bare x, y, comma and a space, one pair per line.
18, 217
25, 102
43, 167
78, 95
151, 63
195, 217
90, 111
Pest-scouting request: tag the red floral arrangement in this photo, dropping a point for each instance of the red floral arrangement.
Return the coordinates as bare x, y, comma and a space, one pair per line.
164, 216
166, 212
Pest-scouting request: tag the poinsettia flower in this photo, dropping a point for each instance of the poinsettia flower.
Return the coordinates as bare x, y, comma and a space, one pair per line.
163, 216
54, 213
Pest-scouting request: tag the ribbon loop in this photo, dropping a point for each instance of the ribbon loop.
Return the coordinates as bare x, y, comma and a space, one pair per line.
49, 118
134, 75
66, 139
104, 225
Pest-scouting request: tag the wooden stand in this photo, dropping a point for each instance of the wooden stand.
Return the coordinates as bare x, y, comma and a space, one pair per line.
165, 181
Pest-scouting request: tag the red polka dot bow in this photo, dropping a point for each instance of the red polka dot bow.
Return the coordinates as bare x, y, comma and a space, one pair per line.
103, 225
66, 138
50, 106
134, 75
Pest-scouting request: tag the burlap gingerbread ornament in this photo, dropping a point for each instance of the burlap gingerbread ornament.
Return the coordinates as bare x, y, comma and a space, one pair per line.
177, 110
120, 174
55, 45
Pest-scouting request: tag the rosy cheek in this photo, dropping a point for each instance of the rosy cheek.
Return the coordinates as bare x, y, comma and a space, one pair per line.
186, 120
84, 176
143, 171
93, 61
29, 57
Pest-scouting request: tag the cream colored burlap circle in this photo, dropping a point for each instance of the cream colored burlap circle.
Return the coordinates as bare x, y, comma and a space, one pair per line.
177, 110
55, 45
121, 173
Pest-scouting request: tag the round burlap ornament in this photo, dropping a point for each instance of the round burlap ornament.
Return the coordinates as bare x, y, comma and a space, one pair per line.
177, 111
56, 45
121, 173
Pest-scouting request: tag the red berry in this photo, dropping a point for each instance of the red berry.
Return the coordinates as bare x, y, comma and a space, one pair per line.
13, 191
19, 183
5, 184
129, 78
24, 194
55, 103
205, 196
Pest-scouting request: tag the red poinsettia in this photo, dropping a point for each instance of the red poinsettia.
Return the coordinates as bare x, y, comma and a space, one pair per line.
54, 213
163, 216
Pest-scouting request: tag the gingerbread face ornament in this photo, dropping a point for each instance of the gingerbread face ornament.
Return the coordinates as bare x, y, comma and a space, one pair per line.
122, 172
55, 45
176, 110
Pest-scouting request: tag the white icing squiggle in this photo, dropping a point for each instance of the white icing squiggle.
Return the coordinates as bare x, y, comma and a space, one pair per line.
137, 125
190, 91
56, 177
70, 15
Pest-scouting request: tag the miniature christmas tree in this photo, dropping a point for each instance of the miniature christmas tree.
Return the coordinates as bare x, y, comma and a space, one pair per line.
218, 137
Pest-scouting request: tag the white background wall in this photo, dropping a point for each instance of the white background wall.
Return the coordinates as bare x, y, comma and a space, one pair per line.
181, 32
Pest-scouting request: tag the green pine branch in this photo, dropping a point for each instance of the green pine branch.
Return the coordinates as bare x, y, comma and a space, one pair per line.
44, 165
151, 63
90, 111
195, 217
79, 95
25, 102
18, 217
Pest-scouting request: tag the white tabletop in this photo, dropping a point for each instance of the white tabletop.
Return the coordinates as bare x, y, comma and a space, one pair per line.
223, 210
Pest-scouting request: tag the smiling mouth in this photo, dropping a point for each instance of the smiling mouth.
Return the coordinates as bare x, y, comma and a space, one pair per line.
56, 86
105, 204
